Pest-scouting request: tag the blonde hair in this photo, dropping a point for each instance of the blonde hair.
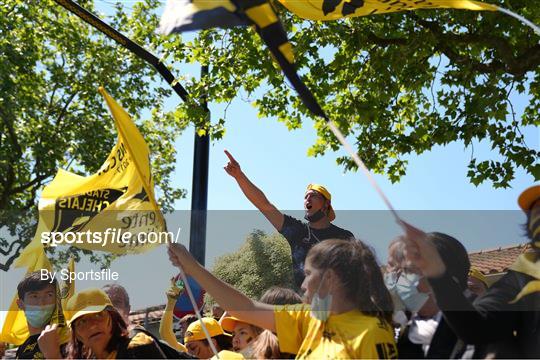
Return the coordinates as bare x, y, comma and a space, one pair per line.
265, 346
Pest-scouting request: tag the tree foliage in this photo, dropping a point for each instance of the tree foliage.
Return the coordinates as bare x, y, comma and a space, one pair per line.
397, 84
51, 115
263, 261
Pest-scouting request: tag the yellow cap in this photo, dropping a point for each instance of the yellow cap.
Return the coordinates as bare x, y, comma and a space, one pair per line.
228, 323
196, 332
475, 273
227, 354
528, 197
89, 301
326, 194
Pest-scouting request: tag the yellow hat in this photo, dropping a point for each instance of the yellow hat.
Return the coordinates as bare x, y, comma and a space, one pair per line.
227, 354
475, 273
326, 194
89, 301
528, 197
196, 332
228, 323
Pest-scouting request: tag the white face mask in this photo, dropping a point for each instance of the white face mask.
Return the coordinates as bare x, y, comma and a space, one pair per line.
247, 352
320, 307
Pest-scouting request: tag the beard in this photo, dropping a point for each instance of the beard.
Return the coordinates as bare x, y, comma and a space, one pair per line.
318, 215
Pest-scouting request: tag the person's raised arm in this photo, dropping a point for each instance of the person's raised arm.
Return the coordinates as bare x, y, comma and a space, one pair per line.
166, 331
232, 300
481, 322
253, 193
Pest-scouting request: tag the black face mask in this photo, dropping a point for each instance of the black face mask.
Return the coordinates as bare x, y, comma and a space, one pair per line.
315, 217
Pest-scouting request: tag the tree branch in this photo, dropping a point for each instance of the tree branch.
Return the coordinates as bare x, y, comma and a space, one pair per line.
8, 251
528, 60
36, 181
12, 133
7, 264
385, 41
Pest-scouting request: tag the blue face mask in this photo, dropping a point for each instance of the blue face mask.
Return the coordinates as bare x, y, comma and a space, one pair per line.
403, 288
320, 307
38, 316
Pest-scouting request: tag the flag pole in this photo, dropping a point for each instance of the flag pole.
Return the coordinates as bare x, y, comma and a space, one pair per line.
199, 192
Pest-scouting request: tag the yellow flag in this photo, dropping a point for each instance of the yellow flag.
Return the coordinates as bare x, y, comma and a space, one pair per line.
337, 9
113, 210
118, 200
530, 288
67, 289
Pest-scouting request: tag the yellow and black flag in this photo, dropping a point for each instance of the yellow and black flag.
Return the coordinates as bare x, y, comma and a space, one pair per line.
186, 15
111, 210
337, 9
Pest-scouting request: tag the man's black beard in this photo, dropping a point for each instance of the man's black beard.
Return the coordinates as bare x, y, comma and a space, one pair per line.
315, 217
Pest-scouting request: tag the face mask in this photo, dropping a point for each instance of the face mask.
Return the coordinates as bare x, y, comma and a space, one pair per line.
247, 352
320, 307
315, 217
403, 288
390, 280
38, 316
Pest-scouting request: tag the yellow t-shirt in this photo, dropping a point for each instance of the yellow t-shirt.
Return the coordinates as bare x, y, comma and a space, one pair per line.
351, 335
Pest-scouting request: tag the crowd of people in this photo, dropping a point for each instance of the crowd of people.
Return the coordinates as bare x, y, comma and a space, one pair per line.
427, 302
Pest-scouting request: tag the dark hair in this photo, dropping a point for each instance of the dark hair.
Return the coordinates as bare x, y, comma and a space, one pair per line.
529, 234
224, 342
118, 295
188, 319
355, 265
277, 295
33, 282
454, 255
119, 334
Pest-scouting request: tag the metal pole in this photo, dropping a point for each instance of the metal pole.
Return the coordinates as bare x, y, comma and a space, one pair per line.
199, 192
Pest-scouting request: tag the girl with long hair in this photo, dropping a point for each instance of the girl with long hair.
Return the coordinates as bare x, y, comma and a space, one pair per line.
346, 312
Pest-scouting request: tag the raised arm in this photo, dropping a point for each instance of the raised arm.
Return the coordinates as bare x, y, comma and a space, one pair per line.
487, 320
166, 331
233, 301
253, 193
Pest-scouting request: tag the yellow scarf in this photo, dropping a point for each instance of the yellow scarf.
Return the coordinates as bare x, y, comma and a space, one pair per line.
527, 264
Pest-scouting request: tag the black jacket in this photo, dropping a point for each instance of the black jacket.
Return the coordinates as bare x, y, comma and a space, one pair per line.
505, 329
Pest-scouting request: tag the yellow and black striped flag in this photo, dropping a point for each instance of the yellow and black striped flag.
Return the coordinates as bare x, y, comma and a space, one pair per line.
338, 9
186, 15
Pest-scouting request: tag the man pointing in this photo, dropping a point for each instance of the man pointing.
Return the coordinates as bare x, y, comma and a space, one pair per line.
300, 235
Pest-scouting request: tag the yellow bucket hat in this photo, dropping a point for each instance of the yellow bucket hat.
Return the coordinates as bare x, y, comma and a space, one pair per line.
89, 301
326, 194
195, 330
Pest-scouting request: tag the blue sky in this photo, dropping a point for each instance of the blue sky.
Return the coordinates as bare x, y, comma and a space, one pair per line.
275, 159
